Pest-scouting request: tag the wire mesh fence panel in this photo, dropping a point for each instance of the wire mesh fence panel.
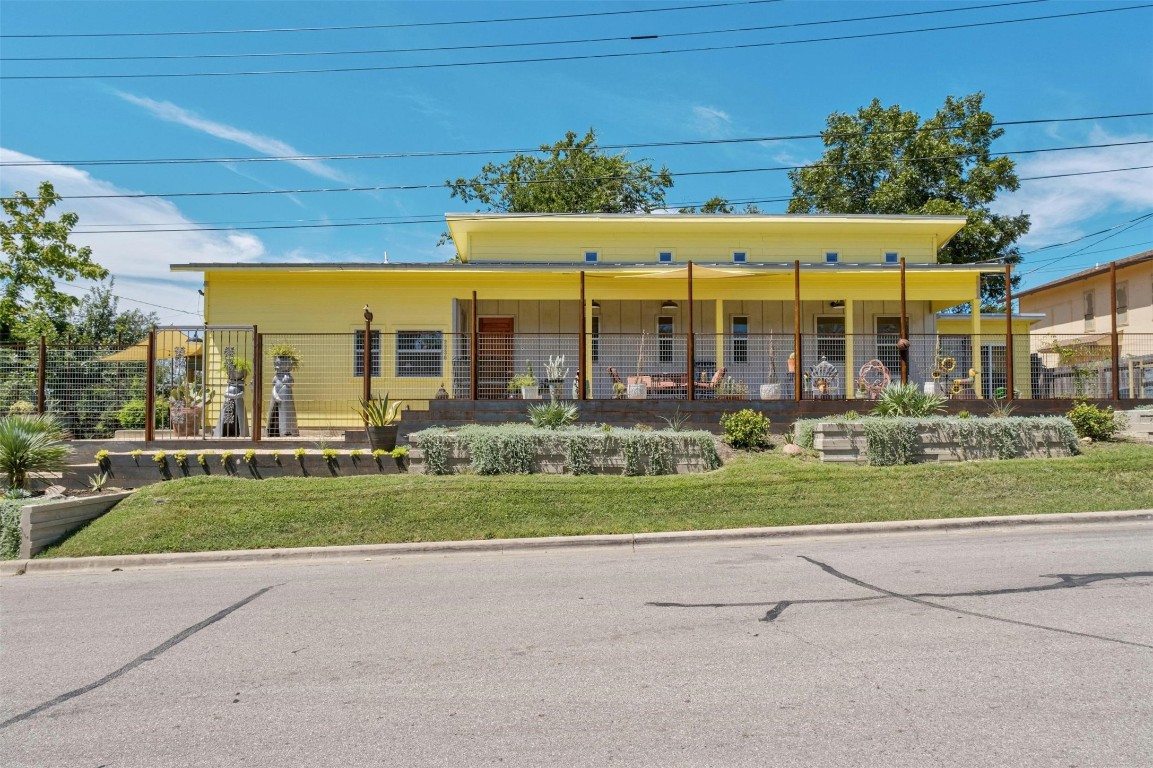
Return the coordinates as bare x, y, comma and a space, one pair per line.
749, 366
1135, 370
641, 366
314, 381
529, 365
93, 392
1070, 366
19, 379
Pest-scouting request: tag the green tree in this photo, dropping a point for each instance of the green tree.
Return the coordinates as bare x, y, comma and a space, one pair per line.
719, 205
572, 176
886, 160
37, 254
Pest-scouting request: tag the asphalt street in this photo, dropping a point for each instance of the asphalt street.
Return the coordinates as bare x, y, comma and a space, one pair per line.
1003, 647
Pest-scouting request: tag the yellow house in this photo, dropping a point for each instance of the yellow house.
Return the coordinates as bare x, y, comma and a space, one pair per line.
678, 306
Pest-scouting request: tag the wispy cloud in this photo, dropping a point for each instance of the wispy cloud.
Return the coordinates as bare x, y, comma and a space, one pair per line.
138, 260
1062, 208
169, 112
711, 121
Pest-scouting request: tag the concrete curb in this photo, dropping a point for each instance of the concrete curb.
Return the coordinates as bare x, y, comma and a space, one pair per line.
360, 552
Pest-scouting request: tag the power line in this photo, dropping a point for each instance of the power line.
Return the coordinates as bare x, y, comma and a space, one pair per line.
407, 25
720, 172
92, 288
1119, 229
539, 43
537, 149
582, 57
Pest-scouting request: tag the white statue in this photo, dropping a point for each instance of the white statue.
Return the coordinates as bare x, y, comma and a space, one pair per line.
282, 413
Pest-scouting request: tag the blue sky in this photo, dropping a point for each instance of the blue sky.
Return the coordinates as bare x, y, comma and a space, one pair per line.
1086, 65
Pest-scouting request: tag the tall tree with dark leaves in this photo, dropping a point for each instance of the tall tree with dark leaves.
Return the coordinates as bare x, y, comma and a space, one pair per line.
886, 160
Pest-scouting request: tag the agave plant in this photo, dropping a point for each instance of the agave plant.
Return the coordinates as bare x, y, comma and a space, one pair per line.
30, 445
908, 400
379, 412
553, 415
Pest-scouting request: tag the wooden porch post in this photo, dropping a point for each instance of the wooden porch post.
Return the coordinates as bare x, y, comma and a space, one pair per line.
473, 349
42, 378
367, 354
798, 379
257, 383
975, 341
1010, 358
1114, 339
150, 388
690, 391
582, 342
904, 356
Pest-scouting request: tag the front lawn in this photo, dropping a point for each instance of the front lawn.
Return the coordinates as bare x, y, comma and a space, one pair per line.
219, 513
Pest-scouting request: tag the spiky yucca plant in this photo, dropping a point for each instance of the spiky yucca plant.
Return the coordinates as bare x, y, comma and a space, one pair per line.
553, 415
908, 400
30, 445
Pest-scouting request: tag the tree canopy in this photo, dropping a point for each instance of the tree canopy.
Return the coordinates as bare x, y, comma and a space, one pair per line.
886, 160
36, 253
719, 205
573, 175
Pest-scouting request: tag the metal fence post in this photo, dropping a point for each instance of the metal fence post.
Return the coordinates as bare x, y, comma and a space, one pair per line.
1114, 341
257, 382
367, 354
1010, 358
150, 389
798, 386
42, 378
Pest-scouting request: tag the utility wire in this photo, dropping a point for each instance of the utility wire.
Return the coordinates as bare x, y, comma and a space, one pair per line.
1119, 230
407, 25
538, 150
539, 43
719, 172
582, 57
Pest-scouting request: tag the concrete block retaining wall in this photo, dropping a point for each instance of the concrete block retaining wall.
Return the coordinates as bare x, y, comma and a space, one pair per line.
846, 442
688, 459
43, 524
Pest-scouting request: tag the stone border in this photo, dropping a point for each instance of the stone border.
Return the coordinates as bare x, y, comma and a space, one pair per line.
845, 441
44, 523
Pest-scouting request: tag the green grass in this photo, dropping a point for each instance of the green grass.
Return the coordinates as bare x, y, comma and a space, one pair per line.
215, 513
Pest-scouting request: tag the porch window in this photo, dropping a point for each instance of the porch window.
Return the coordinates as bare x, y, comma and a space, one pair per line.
665, 338
831, 339
739, 257
1090, 313
665, 257
832, 257
888, 333
1123, 304
419, 354
591, 257
358, 355
740, 351
892, 257
596, 338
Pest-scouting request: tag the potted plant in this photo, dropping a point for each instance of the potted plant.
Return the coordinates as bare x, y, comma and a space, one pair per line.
553, 375
637, 390
185, 406
379, 417
619, 390
731, 389
525, 383
284, 356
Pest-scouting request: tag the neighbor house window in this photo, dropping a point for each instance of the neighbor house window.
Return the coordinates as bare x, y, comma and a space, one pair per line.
739, 257
665, 257
1090, 313
596, 338
419, 353
358, 354
1123, 304
892, 257
740, 339
665, 338
591, 257
832, 257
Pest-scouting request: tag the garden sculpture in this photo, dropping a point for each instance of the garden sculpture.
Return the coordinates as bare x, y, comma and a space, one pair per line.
872, 379
282, 412
823, 378
233, 416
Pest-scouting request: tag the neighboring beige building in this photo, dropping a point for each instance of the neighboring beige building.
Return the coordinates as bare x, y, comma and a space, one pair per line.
1075, 337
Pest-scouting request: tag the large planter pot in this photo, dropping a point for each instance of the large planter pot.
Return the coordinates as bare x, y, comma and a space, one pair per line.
638, 392
382, 438
185, 421
530, 393
770, 391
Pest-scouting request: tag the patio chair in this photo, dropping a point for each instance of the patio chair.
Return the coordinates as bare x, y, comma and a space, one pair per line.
824, 380
710, 386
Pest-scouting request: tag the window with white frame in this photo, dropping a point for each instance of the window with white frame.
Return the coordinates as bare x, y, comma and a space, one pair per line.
832, 257
419, 354
740, 257
1090, 312
740, 351
592, 257
665, 257
1122, 304
596, 338
665, 330
892, 257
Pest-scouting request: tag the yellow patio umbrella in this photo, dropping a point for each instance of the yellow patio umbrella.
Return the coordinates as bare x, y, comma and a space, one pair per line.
167, 342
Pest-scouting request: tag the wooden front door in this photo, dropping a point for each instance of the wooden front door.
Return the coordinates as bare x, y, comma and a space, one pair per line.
494, 360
